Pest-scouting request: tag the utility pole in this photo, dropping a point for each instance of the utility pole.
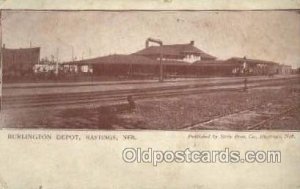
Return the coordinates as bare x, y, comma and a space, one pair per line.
245, 70
72, 53
56, 67
161, 71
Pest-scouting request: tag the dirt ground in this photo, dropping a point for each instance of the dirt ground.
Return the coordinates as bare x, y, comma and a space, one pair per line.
179, 113
168, 113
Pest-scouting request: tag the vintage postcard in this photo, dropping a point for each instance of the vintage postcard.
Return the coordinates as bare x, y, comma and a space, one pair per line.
150, 98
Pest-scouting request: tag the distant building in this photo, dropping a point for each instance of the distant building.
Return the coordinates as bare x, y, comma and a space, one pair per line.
44, 66
178, 60
177, 52
117, 64
19, 62
254, 66
285, 69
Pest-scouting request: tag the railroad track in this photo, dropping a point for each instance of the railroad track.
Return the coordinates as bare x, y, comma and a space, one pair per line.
202, 124
261, 124
263, 119
63, 99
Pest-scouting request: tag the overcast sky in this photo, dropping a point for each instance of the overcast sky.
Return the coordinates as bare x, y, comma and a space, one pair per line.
267, 35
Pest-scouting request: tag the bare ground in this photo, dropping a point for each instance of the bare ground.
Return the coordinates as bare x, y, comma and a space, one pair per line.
168, 113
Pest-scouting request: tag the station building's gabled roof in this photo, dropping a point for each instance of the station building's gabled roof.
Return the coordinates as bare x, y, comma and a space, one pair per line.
174, 50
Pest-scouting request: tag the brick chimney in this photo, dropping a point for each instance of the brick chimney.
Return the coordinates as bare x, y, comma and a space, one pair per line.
3, 46
192, 43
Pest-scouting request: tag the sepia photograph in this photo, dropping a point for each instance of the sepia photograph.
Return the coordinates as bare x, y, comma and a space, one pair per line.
150, 70
149, 94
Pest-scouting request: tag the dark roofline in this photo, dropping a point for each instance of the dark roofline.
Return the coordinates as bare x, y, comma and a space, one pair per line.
252, 60
21, 49
209, 61
131, 59
113, 59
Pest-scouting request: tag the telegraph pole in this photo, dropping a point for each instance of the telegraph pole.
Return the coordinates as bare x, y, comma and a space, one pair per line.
72, 53
161, 71
245, 70
56, 67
